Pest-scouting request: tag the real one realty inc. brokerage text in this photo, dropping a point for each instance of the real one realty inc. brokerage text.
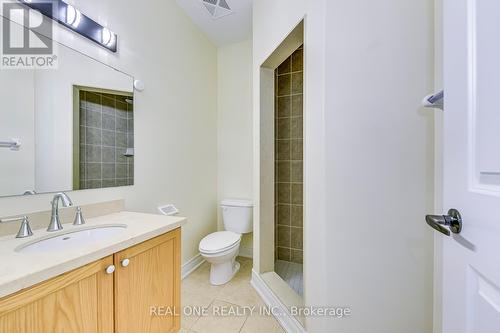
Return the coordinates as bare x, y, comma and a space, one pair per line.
239, 311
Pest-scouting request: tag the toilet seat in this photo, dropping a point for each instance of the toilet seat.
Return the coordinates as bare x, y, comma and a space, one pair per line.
219, 242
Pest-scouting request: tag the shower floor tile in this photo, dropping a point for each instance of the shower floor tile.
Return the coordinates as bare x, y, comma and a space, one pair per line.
292, 274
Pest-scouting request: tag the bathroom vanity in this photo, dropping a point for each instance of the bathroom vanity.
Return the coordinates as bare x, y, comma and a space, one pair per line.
104, 284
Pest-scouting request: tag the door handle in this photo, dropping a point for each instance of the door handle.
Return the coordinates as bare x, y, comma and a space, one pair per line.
446, 223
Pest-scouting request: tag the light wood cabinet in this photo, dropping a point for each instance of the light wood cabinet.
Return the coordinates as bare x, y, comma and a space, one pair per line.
150, 280
80, 301
89, 299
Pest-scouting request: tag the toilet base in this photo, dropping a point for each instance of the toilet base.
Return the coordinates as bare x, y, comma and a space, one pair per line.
223, 273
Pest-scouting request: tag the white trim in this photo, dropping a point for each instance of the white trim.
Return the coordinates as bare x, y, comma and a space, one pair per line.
191, 265
246, 252
286, 320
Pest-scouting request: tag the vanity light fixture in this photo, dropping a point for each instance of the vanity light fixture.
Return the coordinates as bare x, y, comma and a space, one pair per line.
73, 19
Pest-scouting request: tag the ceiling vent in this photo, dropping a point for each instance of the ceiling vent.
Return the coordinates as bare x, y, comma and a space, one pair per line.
217, 8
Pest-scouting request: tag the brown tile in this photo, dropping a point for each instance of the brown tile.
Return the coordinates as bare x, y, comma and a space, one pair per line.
298, 60
283, 106
296, 256
284, 84
283, 128
296, 171
296, 194
296, 126
296, 149
296, 238
283, 214
297, 83
283, 193
282, 150
283, 236
285, 66
283, 171
283, 253
297, 105
296, 216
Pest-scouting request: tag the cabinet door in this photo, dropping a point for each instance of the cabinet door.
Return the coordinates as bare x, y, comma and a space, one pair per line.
80, 301
150, 280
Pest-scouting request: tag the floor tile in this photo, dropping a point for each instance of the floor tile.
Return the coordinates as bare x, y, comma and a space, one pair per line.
261, 324
236, 295
215, 323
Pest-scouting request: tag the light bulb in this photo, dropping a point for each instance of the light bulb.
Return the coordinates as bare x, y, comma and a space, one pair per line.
73, 16
108, 37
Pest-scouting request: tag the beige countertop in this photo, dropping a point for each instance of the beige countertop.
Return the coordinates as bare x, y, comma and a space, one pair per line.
21, 270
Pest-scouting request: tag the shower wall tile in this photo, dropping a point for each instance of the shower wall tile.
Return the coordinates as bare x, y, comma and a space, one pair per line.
296, 171
283, 214
296, 126
106, 131
297, 105
296, 256
283, 193
284, 106
289, 170
296, 149
296, 238
297, 60
296, 194
286, 66
283, 128
284, 236
283, 171
282, 150
284, 84
296, 215
283, 253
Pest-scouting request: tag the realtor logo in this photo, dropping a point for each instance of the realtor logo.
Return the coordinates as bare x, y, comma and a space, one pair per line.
27, 37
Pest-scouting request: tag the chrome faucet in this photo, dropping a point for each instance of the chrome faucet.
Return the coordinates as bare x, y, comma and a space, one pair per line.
55, 222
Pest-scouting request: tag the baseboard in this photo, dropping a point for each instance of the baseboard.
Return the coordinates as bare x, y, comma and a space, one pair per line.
289, 323
246, 252
191, 265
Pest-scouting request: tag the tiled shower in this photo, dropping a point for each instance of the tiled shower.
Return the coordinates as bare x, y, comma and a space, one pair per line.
289, 170
106, 132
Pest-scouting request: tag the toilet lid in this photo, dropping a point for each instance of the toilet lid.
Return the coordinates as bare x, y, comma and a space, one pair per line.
219, 241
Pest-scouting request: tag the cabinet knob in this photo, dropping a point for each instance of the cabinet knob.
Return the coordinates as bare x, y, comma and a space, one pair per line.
110, 269
125, 262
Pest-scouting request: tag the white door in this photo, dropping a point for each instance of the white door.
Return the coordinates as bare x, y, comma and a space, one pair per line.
471, 259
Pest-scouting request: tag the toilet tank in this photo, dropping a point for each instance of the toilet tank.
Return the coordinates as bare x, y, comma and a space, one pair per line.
237, 215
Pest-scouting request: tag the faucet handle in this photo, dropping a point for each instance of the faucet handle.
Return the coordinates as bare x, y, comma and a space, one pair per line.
24, 230
79, 220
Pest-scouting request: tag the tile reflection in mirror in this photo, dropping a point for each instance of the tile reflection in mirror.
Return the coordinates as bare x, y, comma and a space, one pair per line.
106, 132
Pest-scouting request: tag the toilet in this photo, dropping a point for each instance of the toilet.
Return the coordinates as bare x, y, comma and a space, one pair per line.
221, 248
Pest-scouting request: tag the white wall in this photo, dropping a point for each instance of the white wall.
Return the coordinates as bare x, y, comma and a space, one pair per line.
234, 126
175, 117
365, 241
17, 119
380, 163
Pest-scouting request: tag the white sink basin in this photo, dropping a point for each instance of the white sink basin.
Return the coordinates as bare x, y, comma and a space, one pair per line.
71, 239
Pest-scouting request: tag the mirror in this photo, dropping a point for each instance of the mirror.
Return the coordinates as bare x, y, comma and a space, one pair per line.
65, 128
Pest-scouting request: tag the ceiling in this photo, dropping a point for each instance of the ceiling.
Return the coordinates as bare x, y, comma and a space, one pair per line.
234, 26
